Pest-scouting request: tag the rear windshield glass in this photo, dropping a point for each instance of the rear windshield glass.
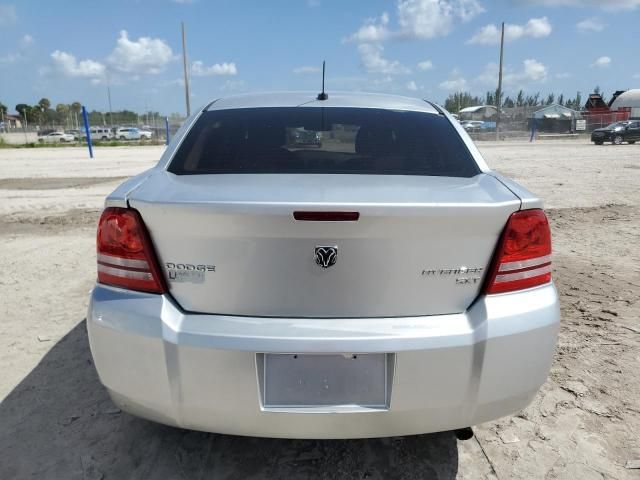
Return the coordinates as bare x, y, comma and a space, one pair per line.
323, 140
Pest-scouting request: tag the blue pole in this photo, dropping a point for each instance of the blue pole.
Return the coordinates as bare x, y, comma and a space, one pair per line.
166, 126
85, 117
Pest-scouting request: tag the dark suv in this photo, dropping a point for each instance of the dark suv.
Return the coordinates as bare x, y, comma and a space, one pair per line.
617, 133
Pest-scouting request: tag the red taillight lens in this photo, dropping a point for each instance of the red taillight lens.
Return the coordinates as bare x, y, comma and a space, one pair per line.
125, 255
523, 257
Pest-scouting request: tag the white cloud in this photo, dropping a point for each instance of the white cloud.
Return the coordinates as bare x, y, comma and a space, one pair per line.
563, 75
411, 86
26, 41
425, 65
199, 69
143, 56
603, 4
7, 14
10, 58
590, 25
374, 62
534, 28
418, 19
305, 69
23, 46
456, 82
374, 30
67, 64
423, 19
532, 71
602, 62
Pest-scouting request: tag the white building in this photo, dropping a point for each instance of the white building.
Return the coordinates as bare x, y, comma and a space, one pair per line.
628, 100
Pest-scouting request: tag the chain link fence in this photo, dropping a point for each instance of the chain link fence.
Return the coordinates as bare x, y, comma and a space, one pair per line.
16, 132
519, 122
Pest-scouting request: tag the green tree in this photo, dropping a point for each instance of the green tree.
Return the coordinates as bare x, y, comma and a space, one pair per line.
532, 100
561, 99
3, 108
62, 114
508, 102
37, 114
457, 101
75, 108
44, 104
24, 110
520, 100
551, 98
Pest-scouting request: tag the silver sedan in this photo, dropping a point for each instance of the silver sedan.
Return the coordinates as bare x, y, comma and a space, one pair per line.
381, 281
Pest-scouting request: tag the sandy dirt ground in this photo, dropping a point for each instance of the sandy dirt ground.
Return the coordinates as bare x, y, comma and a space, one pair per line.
56, 420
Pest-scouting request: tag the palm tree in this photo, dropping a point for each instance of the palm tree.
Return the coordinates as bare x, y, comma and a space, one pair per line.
75, 109
44, 104
62, 110
36, 114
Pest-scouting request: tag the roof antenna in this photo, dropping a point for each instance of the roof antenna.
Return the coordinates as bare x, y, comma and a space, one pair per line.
322, 95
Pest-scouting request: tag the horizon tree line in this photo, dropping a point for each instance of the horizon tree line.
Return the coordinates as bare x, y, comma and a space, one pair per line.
68, 115
459, 100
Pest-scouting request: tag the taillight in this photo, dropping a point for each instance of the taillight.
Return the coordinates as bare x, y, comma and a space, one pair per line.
523, 257
125, 255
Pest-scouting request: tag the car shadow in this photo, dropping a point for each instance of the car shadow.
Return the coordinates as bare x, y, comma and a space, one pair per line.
60, 423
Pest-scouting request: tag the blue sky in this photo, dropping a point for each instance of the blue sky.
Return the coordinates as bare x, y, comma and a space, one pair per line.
68, 50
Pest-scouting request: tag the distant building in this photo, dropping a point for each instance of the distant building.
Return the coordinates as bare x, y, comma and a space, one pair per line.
12, 121
628, 101
481, 112
555, 118
599, 114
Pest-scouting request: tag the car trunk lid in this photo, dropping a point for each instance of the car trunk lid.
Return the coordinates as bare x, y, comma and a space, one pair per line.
229, 244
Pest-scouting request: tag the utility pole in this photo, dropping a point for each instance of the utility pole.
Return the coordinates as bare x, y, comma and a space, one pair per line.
109, 98
186, 73
499, 93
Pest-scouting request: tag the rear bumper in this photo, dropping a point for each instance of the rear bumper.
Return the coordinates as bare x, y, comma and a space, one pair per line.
200, 371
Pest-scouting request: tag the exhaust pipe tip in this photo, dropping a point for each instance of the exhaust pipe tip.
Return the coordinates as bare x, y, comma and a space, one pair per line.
464, 433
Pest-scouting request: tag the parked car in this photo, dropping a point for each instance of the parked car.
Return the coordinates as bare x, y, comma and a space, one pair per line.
57, 137
77, 134
99, 133
617, 133
145, 134
128, 133
45, 131
385, 283
472, 125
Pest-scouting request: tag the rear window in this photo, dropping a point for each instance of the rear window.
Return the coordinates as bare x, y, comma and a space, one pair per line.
323, 140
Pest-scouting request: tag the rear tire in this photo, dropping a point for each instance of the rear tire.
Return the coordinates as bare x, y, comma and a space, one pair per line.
599, 143
631, 142
617, 140
122, 138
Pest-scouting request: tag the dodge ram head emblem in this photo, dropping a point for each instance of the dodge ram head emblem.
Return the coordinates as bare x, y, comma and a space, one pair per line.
326, 256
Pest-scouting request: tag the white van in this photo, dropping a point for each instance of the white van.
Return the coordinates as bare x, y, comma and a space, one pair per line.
100, 133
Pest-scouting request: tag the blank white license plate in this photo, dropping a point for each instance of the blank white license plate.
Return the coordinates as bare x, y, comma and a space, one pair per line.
305, 381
